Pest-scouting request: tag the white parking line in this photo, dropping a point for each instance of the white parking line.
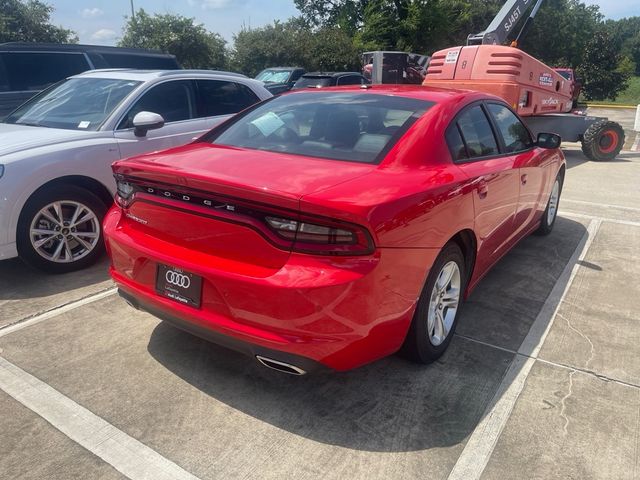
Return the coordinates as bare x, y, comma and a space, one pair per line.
475, 456
14, 327
597, 204
124, 453
568, 213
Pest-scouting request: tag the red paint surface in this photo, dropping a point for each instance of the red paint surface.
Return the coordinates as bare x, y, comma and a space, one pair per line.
342, 311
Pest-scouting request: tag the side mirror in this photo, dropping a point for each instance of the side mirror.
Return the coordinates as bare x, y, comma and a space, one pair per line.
145, 121
548, 140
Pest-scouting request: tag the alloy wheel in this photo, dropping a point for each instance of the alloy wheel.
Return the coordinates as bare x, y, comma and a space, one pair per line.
64, 231
553, 202
443, 303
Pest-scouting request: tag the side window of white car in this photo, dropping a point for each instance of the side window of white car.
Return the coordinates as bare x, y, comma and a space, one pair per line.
174, 100
219, 97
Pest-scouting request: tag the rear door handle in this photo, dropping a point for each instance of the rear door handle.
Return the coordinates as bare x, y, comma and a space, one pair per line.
523, 179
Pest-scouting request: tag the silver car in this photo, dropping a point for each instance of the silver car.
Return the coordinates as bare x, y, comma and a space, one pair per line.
56, 151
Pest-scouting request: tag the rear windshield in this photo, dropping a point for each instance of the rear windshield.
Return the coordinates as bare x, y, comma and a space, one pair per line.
358, 127
310, 82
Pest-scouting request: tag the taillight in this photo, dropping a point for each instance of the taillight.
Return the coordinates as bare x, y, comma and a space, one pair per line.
124, 192
321, 237
285, 229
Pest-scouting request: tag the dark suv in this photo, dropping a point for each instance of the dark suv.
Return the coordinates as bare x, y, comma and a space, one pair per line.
329, 79
28, 68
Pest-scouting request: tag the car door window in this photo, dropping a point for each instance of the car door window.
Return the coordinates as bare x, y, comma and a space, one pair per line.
219, 97
456, 145
515, 135
37, 70
476, 133
173, 100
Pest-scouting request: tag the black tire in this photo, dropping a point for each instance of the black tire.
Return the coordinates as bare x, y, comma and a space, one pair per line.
546, 225
61, 193
418, 346
603, 140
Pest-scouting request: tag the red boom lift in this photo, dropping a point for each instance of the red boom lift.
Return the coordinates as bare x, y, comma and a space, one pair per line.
541, 95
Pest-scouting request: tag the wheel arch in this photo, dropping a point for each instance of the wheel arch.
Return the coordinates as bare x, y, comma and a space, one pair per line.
90, 184
466, 240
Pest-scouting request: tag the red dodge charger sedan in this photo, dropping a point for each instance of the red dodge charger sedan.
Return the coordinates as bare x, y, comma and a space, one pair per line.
330, 228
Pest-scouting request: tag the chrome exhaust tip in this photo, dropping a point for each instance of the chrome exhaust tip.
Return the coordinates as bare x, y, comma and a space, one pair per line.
280, 366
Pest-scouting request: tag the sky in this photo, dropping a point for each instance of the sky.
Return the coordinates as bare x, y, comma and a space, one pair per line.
100, 22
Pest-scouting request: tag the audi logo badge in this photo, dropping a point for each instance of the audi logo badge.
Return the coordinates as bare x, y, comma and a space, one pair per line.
177, 279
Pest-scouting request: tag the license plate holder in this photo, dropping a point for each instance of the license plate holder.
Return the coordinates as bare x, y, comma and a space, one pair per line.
179, 285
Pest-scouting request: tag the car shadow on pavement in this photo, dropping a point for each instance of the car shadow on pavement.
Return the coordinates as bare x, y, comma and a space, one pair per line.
391, 405
19, 280
25, 292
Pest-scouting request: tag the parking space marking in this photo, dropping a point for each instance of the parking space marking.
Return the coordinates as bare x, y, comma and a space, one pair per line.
124, 453
480, 445
568, 213
607, 205
19, 325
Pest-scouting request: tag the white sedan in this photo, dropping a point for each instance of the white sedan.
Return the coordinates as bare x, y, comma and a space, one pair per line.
56, 151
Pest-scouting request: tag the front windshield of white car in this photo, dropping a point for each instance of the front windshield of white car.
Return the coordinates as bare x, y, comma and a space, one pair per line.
74, 104
274, 76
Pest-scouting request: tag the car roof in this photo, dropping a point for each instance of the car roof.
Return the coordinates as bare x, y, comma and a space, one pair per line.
431, 94
329, 74
146, 75
78, 47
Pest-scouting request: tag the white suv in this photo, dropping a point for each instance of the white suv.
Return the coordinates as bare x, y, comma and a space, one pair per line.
56, 151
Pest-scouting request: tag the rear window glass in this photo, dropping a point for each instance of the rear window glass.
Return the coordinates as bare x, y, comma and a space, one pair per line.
37, 70
122, 60
4, 79
309, 82
342, 126
219, 97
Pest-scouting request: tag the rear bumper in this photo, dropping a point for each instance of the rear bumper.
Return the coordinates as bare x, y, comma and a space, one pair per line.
339, 313
218, 338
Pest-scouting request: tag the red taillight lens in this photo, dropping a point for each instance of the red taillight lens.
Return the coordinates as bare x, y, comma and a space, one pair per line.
311, 236
285, 229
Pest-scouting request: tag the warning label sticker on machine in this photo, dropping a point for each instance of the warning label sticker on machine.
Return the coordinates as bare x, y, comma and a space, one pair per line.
452, 56
546, 80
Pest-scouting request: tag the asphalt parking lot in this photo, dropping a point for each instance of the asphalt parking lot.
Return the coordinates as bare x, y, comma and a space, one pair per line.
541, 381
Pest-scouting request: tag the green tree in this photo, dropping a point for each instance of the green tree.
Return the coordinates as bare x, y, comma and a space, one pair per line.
332, 49
30, 21
627, 32
293, 43
346, 14
600, 68
560, 32
192, 44
279, 44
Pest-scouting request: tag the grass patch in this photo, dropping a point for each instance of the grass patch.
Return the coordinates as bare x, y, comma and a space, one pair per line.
630, 96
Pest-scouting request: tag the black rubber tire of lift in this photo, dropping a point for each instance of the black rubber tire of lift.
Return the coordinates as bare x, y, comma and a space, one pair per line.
592, 136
